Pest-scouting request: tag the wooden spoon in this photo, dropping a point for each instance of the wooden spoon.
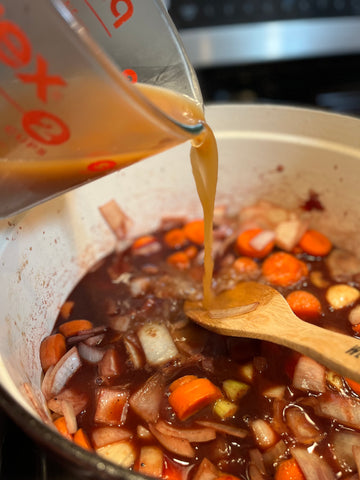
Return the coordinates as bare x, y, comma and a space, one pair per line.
255, 310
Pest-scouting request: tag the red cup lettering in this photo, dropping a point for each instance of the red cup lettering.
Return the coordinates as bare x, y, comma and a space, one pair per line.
45, 127
15, 48
101, 165
123, 17
131, 74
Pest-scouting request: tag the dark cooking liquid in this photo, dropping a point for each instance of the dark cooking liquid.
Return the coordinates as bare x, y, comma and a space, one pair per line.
105, 294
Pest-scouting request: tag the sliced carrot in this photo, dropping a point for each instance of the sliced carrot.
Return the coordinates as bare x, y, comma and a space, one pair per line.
52, 348
191, 252
66, 309
60, 425
289, 470
81, 439
315, 243
304, 304
244, 246
142, 241
283, 269
245, 265
356, 328
74, 327
181, 381
179, 260
174, 471
227, 477
190, 397
175, 238
355, 386
194, 231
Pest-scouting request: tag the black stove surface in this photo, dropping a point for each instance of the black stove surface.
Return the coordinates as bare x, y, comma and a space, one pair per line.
22, 459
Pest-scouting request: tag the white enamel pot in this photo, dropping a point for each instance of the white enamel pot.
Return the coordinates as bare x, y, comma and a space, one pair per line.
266, 152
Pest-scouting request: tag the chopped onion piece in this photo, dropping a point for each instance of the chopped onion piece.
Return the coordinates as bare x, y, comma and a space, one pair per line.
356, 453
257, 460
139, 286
223, 428
157, 343
64, 370
345, 410
102, 436
309, 375
191, 434
342, 443
275, 391
289, 232
262, 239
89, 353
70, 417
303, 428
146, 401
151, 461
312, 466
122, 453
111, 364
177, 445
116, 218
135, 355
207, 471
111, 406
255, 473
77, 399
274, 454
265, 436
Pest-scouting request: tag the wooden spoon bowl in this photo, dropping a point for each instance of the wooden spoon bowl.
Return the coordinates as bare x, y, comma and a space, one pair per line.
255, 310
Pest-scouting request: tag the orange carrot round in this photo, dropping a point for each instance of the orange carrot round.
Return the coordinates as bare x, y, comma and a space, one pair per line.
194, 231
179, 260
81, 439
283, 269
289, 470
191, 396
355, 386
191, 251
315, 243
175, 238
245, 265
74, 327
304, 304
66, 308
60, 424
244, 246
181, 381
52, 348
142, 241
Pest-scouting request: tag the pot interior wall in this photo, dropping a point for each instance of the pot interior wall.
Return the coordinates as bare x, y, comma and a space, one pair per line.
275, 153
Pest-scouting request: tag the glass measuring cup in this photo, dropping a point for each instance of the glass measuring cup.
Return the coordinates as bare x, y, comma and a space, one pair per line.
81, 93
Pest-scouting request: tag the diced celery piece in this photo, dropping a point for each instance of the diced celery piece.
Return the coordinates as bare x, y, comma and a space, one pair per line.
224, 409
234, 389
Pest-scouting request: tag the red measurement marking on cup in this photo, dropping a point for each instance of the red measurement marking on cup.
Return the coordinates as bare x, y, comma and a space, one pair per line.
117, 10
45, 127
10, 100
131, 74
41, 78
16, 52
101, 165
98, 17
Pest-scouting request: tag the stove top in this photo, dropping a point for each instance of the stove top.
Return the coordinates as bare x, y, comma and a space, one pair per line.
22, 459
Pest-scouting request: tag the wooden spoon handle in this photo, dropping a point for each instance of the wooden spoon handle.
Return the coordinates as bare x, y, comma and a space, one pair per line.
340, 353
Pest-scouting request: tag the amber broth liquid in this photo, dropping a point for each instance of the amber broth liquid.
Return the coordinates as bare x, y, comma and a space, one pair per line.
25, 182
